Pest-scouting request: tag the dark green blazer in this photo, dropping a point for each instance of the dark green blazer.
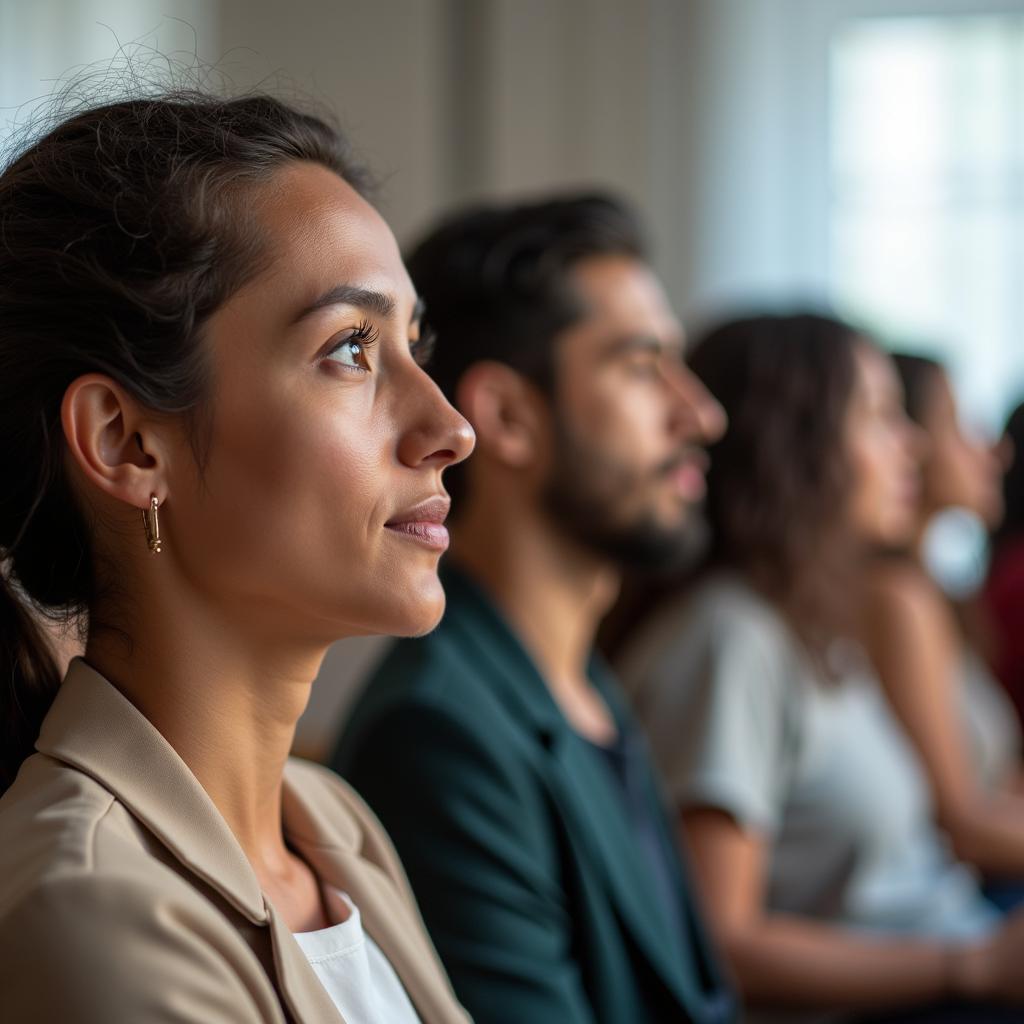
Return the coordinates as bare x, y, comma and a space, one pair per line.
515, 839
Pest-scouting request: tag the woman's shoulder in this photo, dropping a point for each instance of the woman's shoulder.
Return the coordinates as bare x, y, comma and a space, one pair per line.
64, 831
722, 608
58, 822
719, 629
81, 886
903, 602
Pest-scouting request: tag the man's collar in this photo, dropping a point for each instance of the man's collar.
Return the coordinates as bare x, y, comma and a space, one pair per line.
479, 623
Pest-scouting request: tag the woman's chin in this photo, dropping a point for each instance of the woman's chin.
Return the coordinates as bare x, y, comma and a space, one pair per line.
422, 611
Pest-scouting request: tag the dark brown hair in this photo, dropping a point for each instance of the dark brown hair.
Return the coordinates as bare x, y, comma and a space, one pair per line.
779, 481
498, 283
121, 231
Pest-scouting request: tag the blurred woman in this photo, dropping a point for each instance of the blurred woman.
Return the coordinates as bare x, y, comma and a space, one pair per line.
803, 805
1003, 594
221, 447
962, 725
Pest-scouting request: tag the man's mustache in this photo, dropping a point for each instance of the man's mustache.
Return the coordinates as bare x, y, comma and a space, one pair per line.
690, 456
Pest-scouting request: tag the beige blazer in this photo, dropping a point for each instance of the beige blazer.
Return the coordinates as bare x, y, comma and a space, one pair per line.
124, 896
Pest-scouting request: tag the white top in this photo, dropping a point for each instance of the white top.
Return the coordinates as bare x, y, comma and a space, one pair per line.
358, 977
739, 720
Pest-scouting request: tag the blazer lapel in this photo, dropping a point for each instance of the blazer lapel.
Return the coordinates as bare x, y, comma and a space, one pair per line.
307, 1000
586, 795
338, 857
590, 802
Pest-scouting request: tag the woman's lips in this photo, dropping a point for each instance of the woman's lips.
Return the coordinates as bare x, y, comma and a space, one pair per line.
424, 523
433, 535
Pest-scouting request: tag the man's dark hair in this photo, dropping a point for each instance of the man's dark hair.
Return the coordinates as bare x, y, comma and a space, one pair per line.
497, 281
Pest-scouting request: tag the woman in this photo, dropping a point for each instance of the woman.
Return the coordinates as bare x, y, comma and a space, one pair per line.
804, 809
962, 725
220, 446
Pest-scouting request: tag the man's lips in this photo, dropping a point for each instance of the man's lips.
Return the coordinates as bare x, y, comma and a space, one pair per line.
424, 523
687, 475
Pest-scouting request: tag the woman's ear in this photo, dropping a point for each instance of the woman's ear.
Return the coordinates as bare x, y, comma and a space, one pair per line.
115, 443
507, 412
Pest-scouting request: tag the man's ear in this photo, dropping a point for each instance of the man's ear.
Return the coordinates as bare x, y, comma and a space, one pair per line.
506, 410
114, 441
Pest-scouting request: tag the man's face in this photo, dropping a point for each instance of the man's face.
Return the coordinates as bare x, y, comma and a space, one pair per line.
630, 420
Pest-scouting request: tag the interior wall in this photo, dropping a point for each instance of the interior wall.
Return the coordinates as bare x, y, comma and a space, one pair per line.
377, 64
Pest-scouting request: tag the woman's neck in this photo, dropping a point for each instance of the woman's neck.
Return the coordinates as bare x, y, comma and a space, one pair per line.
226, 699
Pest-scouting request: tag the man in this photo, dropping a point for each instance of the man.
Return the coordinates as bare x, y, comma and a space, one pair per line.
497, 750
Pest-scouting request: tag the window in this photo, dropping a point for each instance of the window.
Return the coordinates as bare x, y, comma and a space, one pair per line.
927, 193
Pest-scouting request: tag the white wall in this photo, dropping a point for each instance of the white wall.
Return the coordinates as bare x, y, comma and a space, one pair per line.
45, 42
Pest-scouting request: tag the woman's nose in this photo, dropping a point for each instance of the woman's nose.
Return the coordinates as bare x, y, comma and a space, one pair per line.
437, 433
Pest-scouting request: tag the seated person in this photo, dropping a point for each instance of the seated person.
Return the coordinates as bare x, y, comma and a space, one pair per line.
202, 318
806, 811
497, 749
962, 724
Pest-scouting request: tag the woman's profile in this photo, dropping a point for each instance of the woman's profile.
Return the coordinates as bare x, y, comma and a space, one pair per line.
221, 451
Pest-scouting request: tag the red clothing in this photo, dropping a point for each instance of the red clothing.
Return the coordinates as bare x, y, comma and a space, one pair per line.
1004, 599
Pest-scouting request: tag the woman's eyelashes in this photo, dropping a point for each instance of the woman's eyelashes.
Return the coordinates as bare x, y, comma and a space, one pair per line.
351, 349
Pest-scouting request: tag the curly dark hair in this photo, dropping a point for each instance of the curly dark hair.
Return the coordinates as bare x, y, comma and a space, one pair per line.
122, 230
779, 480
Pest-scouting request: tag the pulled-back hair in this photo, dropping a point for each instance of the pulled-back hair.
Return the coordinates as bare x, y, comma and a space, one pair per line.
121, 231
779, 480
497, 282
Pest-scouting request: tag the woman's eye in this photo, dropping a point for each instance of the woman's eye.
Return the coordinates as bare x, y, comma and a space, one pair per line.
351, 351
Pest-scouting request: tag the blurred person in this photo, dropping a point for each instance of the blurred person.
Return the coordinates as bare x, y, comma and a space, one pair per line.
1003, 593
221, 446
960, 720
498, 750
806, 812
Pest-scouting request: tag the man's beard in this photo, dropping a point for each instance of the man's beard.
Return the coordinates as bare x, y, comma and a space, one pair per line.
588, 497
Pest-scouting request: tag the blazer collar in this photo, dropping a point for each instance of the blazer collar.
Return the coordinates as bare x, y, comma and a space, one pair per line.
477, 624
95, 728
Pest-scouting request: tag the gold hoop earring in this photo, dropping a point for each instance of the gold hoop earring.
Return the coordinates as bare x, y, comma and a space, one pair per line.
151, 522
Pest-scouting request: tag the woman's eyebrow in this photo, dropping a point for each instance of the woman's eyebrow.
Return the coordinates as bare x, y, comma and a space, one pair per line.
349, 295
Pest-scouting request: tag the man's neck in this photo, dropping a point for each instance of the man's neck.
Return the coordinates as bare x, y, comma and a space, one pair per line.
553, 593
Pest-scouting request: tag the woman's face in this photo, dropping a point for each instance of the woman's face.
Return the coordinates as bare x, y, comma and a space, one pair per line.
883, 448
959, 471
318, 511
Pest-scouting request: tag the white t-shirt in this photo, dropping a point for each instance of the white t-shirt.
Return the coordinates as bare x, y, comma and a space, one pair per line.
358, 977
740, 720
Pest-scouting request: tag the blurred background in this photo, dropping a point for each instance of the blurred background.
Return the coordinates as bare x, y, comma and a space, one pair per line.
864, 153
